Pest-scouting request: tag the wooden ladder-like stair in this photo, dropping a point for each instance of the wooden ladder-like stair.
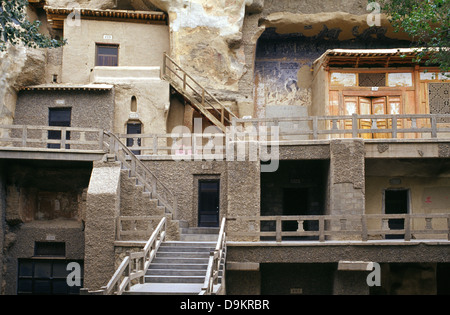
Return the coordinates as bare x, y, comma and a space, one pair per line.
198, 97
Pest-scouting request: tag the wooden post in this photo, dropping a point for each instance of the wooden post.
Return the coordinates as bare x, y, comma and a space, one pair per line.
394, 127
322, 229
24, 136
315, 128
278, 229
407, 227
63, 138
155, 145
354, 126
448, 227
203, 97
433, 126
364, 234
164, 65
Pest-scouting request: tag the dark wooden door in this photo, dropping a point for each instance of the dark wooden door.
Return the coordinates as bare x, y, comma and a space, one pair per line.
208, 203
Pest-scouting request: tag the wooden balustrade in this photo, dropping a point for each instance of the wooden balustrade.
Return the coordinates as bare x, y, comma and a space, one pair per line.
133, 267
51, 138
343, 227
143, 174
322, 127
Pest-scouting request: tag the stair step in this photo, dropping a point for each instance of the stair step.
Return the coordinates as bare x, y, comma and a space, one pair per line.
178, 266
184, 249
199, 237
183, 254
188, 244
165, 289
200, 230
180, 260
176, 272
174, 279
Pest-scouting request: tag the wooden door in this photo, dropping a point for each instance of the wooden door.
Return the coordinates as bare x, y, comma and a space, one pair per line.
208, 203
365, 105
379, 108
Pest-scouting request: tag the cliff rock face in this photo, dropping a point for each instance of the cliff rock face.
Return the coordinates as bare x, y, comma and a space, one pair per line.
206, 39
11, 63
19, 66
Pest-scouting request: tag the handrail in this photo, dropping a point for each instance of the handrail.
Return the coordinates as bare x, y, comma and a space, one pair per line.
188, 82
134, 266
214, 263
344, 226
143, 174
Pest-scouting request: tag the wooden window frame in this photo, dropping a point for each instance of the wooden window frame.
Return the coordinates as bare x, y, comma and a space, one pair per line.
106, 45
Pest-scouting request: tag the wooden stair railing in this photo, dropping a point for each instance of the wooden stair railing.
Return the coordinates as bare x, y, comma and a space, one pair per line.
143, 174
214, 264
133, 267
196, 94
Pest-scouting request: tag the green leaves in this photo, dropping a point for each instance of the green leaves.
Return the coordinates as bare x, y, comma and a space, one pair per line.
15, 27
428, 24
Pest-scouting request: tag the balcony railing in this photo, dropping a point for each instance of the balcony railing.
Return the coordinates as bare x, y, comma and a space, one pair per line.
354, 126
341, 227
21, 137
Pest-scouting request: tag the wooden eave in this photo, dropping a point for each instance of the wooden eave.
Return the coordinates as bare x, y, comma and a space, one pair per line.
56, 16
67, 87
367, 58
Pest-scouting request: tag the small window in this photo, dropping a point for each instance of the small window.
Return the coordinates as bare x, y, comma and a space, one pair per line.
133, 104
439, 99
107, 55
372, 79
51, 249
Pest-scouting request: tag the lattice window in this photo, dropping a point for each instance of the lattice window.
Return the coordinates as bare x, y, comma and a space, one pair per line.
439, 99
372, 79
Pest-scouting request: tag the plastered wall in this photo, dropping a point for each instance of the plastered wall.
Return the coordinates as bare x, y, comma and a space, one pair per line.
139, 45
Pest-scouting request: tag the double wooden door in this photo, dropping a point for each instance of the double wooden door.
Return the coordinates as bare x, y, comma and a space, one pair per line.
385, 105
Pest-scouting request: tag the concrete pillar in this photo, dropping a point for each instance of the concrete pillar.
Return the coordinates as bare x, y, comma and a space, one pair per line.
347, 181
102, 210
243, 196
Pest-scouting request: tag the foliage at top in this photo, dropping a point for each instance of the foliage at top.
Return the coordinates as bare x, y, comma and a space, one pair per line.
16, 29
428, 24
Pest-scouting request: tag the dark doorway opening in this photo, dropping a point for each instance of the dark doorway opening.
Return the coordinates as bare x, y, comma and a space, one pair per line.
396, 202
58, 117
47, 277
134, 129
295, 202
208, 203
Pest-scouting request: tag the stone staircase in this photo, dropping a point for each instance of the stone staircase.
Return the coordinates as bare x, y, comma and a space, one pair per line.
179, 267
